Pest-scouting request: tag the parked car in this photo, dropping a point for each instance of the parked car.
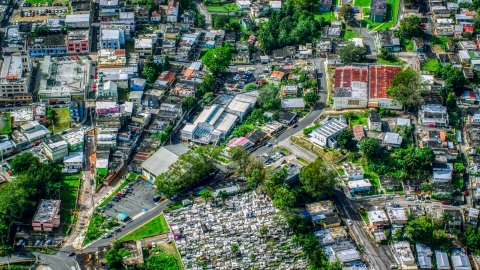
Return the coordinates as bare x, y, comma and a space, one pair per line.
445, 203
408, 198
120, 194
20, 242
71, 254
295, 125
388, 197
157, 198
117, 197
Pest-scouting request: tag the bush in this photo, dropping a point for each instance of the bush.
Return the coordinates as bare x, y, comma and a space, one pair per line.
309, 130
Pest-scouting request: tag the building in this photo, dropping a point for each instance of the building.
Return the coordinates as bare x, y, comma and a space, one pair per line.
75, 140
359, 186
78, 21
397, 215
457, 217
352, 171
404, 256
358, 133
136, 97
392, 139
106, 88
143, 46
378, 219
78, 41
293, 104
276, 77
350, 88
325, 5
460, 260
34, 131
159, 162
320, 208
73, 162
385, 39
165, 79
441, 259
374, 122
172, 11
15, 79
39, 112
439, 188
138, 84
111, 38
242, 104
240, 141
326, 134
381, 77
156, 16
55, 148
77, 110
289, 90
47, 216
14, 40
21, 117
52, 44
378, 10
434, 115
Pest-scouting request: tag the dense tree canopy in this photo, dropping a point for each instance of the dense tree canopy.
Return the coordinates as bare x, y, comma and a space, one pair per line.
407, 88
318, 179
310, 98
351, 53
410, 27
207, 85
21, 163
370, 147
267, 98
217, 60
344, 139
453, 78
347, 13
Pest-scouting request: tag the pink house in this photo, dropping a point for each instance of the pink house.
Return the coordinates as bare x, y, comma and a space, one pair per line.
175, 231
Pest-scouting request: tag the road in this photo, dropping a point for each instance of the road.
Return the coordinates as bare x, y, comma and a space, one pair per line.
59, 260
368, 39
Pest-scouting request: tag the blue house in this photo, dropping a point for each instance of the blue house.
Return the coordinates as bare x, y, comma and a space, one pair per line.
138, 84
357, 186
77, 110
325, 5
209, 44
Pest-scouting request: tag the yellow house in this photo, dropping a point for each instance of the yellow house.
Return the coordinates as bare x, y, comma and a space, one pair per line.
242, 57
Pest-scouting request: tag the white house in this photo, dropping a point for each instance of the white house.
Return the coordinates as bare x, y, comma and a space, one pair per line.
172, 11
243, 4
326, 134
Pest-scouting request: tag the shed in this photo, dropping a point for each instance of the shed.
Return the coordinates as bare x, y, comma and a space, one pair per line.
122, 216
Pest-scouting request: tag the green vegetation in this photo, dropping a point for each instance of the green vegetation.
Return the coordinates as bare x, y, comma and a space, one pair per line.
99, 224
362, 3
7, 128
431, 65
350, 33
358, 119
309, 130
391, 19
457, 182
61, 119
68, 198
408, 44
38, 2
71, 181
366, 12
395, 62
123, 94
155, 226
222, 8
324, 16
442, 41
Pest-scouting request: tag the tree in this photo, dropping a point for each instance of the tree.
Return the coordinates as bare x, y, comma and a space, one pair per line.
370, 147
217, 60
344, 139
267, 98
114, 259
453, 77
150, 73
311, 98
255, 178
222, 195
21, 163
189, 102
234, 248
274, 179
166, 185
410, 27
318, 179
207, 85
445, 219
467, 35
386, 55
347, 13
351, 53
240, 156
283, 197
206, 194
163, 261
407, 88
208, 98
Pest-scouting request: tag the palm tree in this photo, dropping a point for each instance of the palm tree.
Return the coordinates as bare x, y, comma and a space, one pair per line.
223, 196
446, 218
206, 194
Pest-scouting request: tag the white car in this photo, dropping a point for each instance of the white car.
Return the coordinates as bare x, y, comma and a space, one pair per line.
153, 244
349, 222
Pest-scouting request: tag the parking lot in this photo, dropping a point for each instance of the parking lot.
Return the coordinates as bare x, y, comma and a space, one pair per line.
39, 12
136, 201
25, 239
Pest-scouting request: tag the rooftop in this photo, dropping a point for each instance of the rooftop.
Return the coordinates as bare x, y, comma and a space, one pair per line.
165, 156
61, 79
74, 138
378, 7
47, 210
50, 40
54, 141
12, 70
377, 216
351, 82
330, 127
319, 207
381, 77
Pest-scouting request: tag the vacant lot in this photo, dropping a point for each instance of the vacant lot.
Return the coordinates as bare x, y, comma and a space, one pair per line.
157, 225
61, 119
5, 123
222, 8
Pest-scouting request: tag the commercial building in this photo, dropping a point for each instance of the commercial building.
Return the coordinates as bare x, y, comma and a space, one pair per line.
159, 162
62, 80
326, 134
47, 216
55, 148
78, 41
293, 104
144, 46
53, 44
77, 110
381, 77
78, 21
350, 88
15, 79
14, 40
34, 131
75, 140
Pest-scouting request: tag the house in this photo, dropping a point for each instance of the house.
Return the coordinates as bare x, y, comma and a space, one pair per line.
320, 208
403, 255
325, 5
47, 216
305, 51
460, 260
439, 188
441, 259
289, 90
256, 136
172, 11
276, 77
55, 148
138, 84
424, 257
352, 171
442, 172
243, 4
241, 57
378, 219
323, 46
434, 116
275, 5
374, 122
326, 134
293, 104
392, 139
73, 161
240, 141
331, 32
403, 122
381, 77
136, 97
159, 162
358, 133
189, 17
165, 79
397, 215
378, 10
418, 44
444, 30
246, 22
350, 88
385, 39
359, 186
155, 16
457, 217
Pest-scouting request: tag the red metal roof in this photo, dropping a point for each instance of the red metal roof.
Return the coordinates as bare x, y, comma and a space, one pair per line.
468, 29
358, 132
381, 77
166, 76
240, 141
344, 76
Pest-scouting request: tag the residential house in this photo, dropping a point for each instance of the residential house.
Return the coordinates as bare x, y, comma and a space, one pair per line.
55, 148
444, 30
188, 17
392, 139
305, 51
241, 57
326, 134
77, 110
323, 47
172, 11
246, 22
358, 133
138, 84
424, 257
293, 104
155, 16
165, 79
439, 188
378, 10
397, 215
404, 256
434, 116
385, 39
289, 90
352, 171
325, 5
243, 4
276, 77
350, 87
378, 219
457, 217
359, 186
442, 172
374, 122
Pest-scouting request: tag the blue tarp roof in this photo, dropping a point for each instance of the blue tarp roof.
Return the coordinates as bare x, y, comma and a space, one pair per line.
122, 216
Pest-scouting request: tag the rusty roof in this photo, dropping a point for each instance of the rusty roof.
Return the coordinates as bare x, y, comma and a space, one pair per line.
166, 76
344, 76
358, 132
381, 77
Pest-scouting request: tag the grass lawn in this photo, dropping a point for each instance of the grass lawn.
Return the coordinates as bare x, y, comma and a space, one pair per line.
66, 216
350, 33
70, 183
442, 41
365, 217
94, 231
358, 119
366, 12
7, 128
168, 250
38, 2
362, 3
303, 161
408, 44
155, 226
124, 94
328, 16
394, 63
390, 20
61, 119
431, 65
222, 8
68, 198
